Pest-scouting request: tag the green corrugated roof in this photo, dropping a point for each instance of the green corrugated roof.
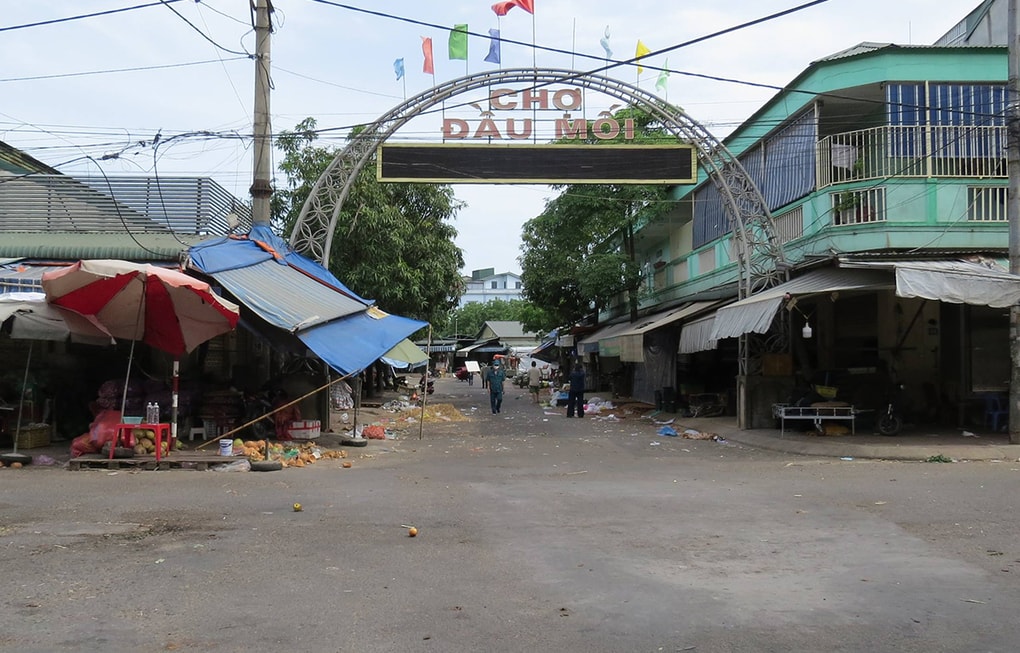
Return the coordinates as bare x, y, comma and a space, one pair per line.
74, 246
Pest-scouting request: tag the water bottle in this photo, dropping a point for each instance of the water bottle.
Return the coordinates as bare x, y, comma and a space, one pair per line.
148, 413
155, 413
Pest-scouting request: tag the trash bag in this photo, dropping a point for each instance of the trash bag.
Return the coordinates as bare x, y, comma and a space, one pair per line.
83, 444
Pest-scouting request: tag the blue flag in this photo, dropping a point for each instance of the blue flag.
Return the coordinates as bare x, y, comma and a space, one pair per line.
398, 68
604, 42
493, 56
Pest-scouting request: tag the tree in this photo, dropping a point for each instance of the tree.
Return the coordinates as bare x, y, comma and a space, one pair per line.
468, 319
578, 253
394, 242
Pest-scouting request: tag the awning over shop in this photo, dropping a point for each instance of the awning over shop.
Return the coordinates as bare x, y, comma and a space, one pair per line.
755, 314
545, 351
441, 348
594, 342
488, 347
697, 335
406, 355
632, 340
352, 343
302, 298
282, 295
983, 283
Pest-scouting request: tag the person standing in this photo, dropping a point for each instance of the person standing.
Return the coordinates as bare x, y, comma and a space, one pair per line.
575, 396
534, 382
485, 375
496, 377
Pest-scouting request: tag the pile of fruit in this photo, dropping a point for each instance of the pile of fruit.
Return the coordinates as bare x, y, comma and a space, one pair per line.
145, 442
291, 455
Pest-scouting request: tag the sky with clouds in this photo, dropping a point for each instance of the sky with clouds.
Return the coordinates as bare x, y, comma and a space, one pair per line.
74, 91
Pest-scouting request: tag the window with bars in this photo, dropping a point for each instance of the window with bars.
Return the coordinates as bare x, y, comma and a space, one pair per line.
858, 206
987, 203
789, 225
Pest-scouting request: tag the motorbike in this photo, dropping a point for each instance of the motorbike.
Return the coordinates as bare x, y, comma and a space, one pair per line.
256, 406
427, 387
461, 373
890, 421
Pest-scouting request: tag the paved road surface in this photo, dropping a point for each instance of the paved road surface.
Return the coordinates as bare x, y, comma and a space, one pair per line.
537, 533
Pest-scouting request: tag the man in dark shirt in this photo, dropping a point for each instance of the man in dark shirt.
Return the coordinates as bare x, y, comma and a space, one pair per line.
496, 377
575, 397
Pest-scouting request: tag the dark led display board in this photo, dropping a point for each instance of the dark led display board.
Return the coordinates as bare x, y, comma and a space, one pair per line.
537, 164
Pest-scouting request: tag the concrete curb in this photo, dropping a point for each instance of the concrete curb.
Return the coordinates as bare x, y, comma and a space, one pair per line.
905, 447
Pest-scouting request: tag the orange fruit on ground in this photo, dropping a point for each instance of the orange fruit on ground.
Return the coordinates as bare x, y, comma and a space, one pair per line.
411, 532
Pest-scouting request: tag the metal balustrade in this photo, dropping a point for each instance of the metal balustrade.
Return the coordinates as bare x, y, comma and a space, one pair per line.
912, 151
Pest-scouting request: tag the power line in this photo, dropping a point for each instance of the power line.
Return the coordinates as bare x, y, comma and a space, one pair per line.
83, 16
119, 70
203, 34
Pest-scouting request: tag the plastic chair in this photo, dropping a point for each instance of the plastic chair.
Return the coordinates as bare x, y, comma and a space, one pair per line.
996, 411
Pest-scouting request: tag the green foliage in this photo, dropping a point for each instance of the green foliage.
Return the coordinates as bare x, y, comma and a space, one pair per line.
393, 242
576, 255
468, 319
939, 458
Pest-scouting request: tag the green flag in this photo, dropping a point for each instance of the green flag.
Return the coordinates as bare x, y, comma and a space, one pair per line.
458, 42
663, 81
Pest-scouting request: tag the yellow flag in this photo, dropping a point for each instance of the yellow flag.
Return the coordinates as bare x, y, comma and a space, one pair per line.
641, 51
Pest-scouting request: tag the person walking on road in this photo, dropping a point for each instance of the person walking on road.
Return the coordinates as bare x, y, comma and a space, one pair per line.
534, 382
575, 397
496, 377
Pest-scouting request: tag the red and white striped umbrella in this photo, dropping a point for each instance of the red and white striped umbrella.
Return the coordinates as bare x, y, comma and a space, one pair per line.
163, 308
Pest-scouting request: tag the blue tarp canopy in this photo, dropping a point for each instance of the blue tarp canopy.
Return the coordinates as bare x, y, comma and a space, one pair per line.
296, 294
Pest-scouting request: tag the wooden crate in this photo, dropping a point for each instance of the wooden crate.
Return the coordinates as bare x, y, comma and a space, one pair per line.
32, 437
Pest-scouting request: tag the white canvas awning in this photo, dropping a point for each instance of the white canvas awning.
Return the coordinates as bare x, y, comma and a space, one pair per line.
604, 340
982, 283
632, 340
697, 335
755, 314
978, 282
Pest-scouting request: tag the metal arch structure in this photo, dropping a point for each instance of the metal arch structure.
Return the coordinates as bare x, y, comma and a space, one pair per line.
759, 253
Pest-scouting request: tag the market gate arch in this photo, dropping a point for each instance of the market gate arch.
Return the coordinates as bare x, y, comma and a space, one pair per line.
759, 252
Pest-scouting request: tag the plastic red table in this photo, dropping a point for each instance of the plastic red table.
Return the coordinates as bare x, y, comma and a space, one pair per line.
161, 430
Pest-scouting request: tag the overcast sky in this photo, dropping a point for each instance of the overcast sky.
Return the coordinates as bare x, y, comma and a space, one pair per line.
108, 84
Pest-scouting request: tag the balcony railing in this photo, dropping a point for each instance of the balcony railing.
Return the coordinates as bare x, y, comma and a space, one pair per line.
916, 151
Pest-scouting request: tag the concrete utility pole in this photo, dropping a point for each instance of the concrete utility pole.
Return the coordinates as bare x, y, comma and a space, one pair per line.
1013, 215
261, 187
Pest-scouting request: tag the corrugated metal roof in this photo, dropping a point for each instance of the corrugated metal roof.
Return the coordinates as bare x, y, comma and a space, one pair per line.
65, 246
23, 277
16, 161
285, 297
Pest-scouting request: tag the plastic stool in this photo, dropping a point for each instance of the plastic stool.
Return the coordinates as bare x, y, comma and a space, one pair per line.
196, 430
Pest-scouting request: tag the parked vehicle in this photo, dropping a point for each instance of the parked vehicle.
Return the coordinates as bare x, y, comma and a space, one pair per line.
890, 422
461, 373
426, 385
257, 406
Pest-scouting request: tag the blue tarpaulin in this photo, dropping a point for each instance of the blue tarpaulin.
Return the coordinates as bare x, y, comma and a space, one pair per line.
296, 294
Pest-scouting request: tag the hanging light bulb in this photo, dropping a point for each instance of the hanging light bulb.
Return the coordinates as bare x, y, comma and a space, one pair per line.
806, 331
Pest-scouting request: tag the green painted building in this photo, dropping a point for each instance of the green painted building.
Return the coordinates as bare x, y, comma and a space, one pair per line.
881, 166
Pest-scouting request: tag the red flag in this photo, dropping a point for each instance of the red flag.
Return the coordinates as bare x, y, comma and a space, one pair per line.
501, 8
426, 49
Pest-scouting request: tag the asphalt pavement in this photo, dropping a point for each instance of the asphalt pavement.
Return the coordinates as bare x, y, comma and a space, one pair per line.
535, 533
